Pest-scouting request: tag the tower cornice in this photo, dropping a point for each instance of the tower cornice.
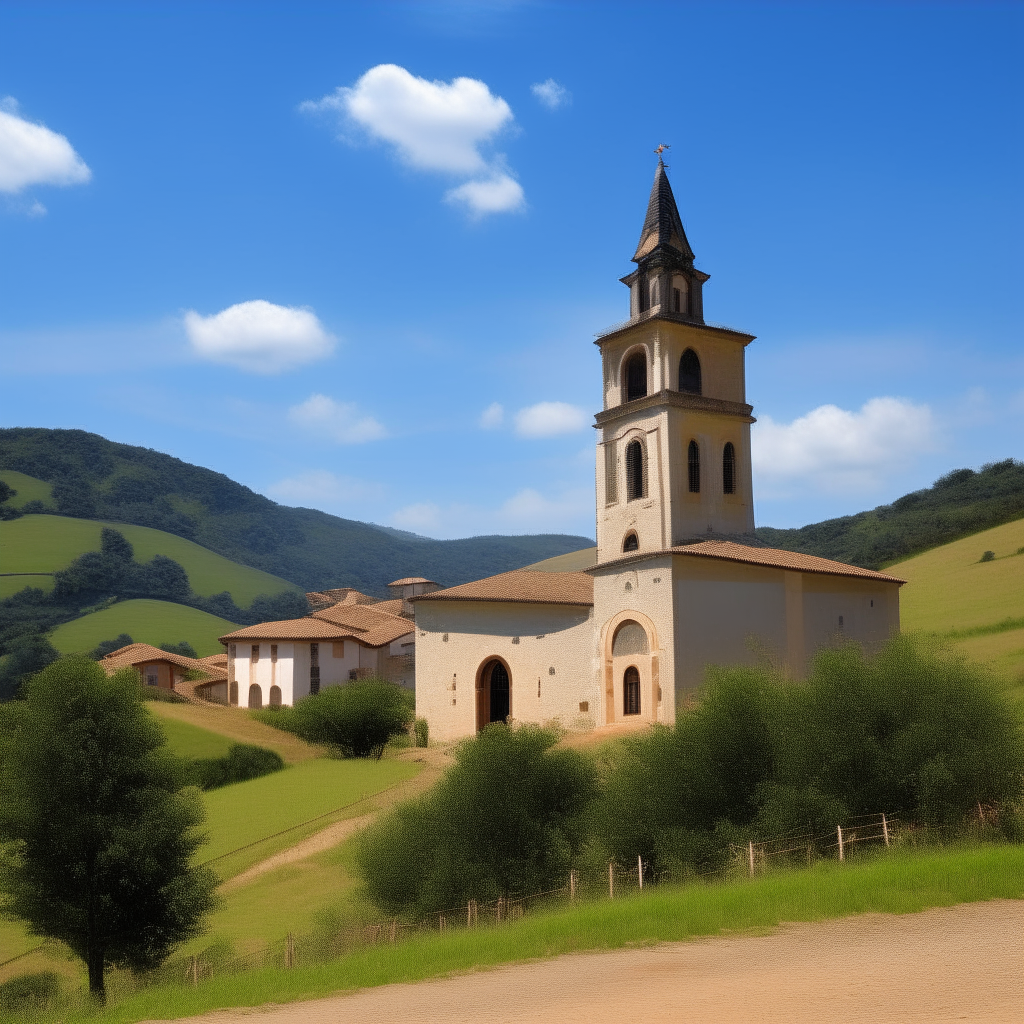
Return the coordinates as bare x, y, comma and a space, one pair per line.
677, 400
617, 330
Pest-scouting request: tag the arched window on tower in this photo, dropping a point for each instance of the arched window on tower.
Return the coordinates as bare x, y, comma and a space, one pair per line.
631, 691
689, 373
693, 467
636, 484
729, 468
630, 543
636, 376
680, 295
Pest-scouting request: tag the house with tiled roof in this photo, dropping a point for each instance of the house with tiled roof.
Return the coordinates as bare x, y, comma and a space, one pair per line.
276, 663
166, 670
680, 582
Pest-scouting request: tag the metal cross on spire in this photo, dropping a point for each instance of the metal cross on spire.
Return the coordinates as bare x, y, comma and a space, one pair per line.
661, 149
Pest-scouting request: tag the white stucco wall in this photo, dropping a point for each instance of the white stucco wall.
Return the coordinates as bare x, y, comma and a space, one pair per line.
455, 639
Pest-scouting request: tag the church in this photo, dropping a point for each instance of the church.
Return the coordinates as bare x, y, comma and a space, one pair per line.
679, 581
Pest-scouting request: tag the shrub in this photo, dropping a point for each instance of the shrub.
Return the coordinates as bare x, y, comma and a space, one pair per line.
183, 647
509, 817
988, 556
105, 647
29, 992
422, 732
241, 763
355, 720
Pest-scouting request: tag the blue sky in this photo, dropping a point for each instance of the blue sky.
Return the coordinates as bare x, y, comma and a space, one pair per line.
355, 255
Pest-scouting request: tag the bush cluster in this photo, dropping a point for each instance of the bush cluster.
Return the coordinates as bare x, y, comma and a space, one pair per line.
354, 720
242, 762
914, 732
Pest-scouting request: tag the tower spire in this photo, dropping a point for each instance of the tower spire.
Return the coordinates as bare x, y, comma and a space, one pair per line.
663, 227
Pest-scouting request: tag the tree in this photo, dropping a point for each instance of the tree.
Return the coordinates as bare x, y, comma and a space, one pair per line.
105, 647
26, 655
99, 830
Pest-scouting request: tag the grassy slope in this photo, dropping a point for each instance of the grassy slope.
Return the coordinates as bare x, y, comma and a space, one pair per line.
146, 621
43, 543
949, 589
899, 883
28, 488
188, 740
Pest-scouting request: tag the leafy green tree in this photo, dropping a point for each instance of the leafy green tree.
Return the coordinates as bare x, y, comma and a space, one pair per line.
105, 647
183, 647
511, 816
26, 655
6, 491
98, 829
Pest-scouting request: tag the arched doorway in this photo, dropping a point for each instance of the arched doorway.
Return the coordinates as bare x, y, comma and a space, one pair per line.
631, 691
233, 692
275, 696
255, 696
494, 694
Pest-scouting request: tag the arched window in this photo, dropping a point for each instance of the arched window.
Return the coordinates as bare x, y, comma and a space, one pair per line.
496, 695
653, 285
680, 295
631, 692
689, 373
729, 468
693, 467
233, 693
636, 485
636, 376
255, 696
630, 638
275, 696
631, 543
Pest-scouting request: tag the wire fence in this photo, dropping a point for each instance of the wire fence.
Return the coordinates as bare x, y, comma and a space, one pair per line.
793, 848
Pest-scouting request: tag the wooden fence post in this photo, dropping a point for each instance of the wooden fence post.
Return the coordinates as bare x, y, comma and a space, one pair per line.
195, 972
885, 829
640, 869
572, 884
839, 830
289, 954
500, 907
611, 880
750, 849
394, 928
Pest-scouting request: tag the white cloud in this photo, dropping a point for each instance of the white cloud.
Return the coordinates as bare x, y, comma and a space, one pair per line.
317, 488
833, 450
259, 336
339, 421
547, 419
31, 154
527, 511
492, 417
551, 94
434, 126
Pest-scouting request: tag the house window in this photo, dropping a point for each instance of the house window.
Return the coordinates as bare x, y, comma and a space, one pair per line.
693, 467
689, 373
636, 376
314, 668
631, 692
635, 482
255, 653
729, 468
273, 654
338, 649
631, 543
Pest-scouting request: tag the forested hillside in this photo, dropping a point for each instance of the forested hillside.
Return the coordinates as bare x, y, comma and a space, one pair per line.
93, 478
957, 504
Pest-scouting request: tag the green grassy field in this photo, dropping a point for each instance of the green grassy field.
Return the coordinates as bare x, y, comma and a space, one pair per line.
897, 883
46, 543
28, 488
949, 589
188, 740
145, 621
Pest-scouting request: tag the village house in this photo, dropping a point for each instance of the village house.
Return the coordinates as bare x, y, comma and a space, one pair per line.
679, 581
167, 671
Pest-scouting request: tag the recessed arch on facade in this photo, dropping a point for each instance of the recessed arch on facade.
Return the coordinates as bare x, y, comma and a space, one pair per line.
634, 374
636, 470
630, 638
255, 696
693, 467
689, 373
630, 542
729, 468
493, 692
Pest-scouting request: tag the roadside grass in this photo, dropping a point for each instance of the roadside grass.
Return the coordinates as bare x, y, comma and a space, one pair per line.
894, 883
146, 621
236, 725
45, 543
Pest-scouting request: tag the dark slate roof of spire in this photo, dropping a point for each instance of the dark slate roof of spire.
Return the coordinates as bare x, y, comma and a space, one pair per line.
662, 225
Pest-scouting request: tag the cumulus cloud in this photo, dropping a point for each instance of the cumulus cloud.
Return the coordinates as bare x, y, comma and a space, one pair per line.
551, 94
320, 488
547, 419
434, 126
492, 417
833, 450
338, 421
527, 511
259, 337
31, 154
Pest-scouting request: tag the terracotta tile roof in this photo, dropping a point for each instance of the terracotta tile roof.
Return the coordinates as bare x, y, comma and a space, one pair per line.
522, 586
340, 595
392, 607
774, 557
216, 659
306, 628
140, 654
409, 580
367, 624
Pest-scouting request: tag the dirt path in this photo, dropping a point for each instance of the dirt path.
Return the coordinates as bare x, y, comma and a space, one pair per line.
962, 963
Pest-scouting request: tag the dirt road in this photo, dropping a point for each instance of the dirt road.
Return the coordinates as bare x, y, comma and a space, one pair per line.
961, 963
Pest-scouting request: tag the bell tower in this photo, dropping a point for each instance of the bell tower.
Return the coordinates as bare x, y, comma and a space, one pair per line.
673, 460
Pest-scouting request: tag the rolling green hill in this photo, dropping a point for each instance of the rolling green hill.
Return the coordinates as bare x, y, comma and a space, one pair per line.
45, 543
145, 621
28, 488
93, 478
